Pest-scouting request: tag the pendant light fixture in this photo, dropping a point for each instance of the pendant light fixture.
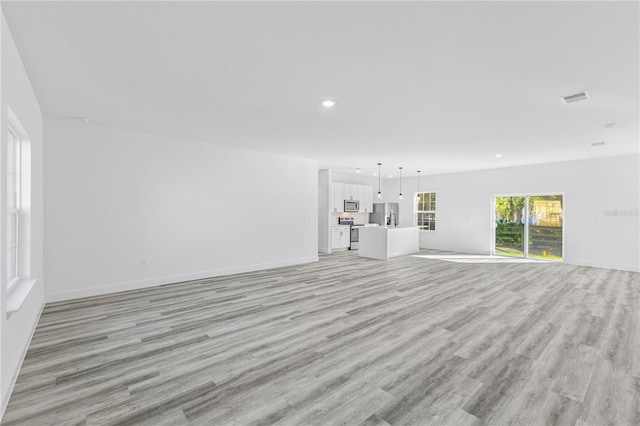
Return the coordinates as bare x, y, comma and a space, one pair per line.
379, 177
418, 196
400, 196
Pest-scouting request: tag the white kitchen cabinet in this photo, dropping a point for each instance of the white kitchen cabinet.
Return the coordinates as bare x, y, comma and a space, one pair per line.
340, 237
337, 197
369, 200
349, 191
381, 242
365, 196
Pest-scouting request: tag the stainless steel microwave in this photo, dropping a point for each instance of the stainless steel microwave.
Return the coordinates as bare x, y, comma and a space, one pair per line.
351, 205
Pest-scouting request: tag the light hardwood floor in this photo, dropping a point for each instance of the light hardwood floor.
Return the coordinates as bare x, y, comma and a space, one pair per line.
345, 341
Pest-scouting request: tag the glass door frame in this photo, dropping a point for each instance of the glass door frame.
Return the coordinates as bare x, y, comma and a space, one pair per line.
525, 237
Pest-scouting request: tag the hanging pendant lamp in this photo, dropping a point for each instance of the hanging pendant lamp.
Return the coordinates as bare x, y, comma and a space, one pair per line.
379, 193
418, 196
400, 196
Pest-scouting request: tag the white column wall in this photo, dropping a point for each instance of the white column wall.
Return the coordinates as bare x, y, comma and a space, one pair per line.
324, 207
16, 329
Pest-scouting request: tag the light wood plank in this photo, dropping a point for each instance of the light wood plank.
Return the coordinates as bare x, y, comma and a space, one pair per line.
346, 340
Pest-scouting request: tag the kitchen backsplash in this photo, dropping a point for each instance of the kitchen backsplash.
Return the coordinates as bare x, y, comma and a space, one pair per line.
359, 218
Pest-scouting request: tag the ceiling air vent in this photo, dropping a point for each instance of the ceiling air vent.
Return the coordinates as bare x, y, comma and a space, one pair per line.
599, 143
576, 97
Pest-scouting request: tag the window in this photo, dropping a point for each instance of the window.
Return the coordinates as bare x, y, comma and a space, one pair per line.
17, 276
426, 211
14, 192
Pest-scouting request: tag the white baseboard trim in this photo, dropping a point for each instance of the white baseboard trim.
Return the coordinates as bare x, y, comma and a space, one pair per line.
458, 250
604, 265
153, 282
14, 378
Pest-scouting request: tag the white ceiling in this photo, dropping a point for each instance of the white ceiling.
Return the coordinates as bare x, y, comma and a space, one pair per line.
435, 86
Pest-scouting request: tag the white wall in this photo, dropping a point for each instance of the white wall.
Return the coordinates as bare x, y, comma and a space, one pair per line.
127, 210
354, 178
324, 206
16, 329
590, 187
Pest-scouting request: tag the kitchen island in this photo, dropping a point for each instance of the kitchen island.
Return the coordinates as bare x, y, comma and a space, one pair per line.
385, 242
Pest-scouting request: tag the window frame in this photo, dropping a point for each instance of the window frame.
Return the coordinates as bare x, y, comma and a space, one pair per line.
432, 203
14, 196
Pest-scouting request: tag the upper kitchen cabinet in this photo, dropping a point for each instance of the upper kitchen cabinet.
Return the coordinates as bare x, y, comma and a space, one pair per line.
348, 191
351, 191
337, 197
365, 195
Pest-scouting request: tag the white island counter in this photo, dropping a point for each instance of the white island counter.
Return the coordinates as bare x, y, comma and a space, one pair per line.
382, 242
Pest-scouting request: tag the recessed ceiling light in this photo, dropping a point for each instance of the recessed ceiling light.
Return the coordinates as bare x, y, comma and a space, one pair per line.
357, 170
375, 173
390, 175
498, 155
599, 143
328, 103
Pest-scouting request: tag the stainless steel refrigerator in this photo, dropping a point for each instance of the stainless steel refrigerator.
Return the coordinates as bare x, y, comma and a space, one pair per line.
385, 214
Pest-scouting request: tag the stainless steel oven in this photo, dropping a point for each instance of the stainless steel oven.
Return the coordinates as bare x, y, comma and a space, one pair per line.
355, 232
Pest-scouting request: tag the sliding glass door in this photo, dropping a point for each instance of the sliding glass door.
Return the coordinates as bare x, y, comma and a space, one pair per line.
529, 226
545, 227
510, 214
